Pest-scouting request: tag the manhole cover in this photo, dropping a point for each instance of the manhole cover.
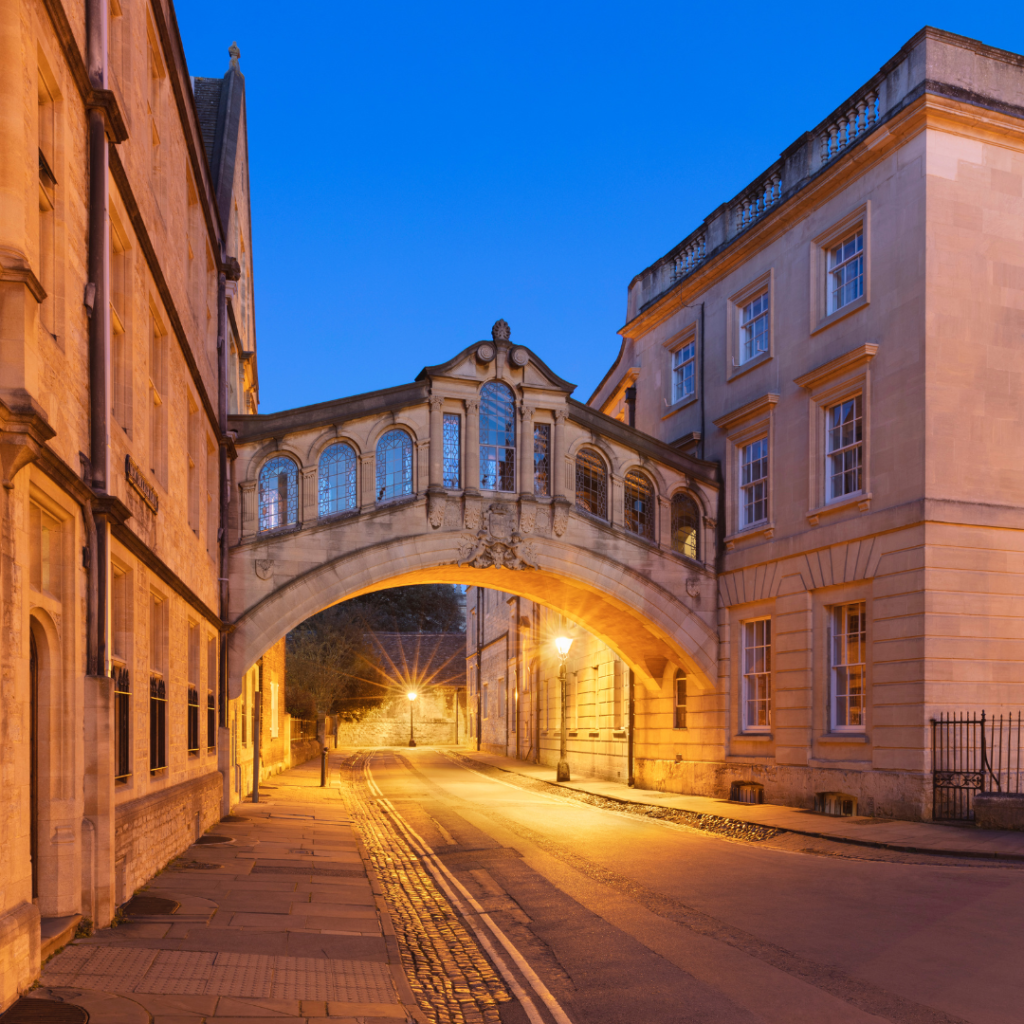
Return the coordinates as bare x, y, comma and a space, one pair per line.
213, 840
233, 817
149, 905
44, 1011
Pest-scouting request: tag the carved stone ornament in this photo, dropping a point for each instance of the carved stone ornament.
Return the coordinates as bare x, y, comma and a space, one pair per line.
501, 331
264, 568
499, 544
436, 505
519, 356
561, 519
527, 515
693, 587
471, 517
485, 352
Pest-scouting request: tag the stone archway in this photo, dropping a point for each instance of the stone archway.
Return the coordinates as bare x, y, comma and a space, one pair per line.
650, 626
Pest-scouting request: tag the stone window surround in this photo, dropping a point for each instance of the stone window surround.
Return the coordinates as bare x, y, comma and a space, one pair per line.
742, 426
740, 742
821, 675
820, 317
827, 385
734, 316
673, 345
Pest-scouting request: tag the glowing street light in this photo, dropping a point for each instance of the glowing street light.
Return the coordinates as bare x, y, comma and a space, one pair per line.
412, 700
562, 645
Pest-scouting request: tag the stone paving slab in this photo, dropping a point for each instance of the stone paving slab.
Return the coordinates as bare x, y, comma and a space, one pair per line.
248, 944
909, 836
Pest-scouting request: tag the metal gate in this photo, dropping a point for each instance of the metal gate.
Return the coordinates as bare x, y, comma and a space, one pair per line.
972, 755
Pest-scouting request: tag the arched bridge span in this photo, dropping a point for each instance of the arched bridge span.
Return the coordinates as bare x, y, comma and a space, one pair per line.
482, 471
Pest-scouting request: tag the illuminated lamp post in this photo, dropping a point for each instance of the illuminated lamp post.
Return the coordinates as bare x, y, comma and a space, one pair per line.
562, 645
412, 700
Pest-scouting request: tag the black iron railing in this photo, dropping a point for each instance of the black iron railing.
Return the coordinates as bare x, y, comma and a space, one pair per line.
972, 755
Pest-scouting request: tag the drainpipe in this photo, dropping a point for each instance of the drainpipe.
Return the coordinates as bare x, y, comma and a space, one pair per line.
631, 404
479, 667
629, 735
97, 839
98, 303
257, 724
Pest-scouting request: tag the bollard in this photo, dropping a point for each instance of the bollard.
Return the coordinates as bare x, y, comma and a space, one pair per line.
323, 767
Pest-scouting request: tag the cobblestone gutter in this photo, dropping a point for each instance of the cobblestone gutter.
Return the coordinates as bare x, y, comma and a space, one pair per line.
728, 827
453, 981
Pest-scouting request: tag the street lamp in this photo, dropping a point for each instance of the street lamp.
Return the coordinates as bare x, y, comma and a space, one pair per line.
562, 645
412, 698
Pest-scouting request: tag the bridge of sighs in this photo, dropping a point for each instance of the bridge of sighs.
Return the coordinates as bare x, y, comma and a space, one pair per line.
483, 470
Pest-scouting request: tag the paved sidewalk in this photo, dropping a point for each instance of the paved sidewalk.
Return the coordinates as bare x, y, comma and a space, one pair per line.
275, 913
884, 833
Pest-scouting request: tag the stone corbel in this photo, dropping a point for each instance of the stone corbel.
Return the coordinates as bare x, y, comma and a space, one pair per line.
14, 266
24, 431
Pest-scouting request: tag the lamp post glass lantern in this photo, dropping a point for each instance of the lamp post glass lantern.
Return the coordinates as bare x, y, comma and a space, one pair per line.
562, 645
412, 700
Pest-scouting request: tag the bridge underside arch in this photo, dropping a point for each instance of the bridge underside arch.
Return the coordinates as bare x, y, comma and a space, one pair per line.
650, 626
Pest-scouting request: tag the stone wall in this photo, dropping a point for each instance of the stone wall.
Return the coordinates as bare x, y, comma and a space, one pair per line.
154, 829
19, 950
434, 724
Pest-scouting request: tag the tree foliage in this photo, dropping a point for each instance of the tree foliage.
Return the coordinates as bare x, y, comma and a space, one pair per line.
331, 667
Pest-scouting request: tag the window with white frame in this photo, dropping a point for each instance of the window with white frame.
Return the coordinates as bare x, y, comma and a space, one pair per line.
846, 271
684, 378
757, 675
754, 328
754, 483
844, 448
848, 657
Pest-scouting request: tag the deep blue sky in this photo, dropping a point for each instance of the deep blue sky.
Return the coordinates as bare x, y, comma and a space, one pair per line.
419, 170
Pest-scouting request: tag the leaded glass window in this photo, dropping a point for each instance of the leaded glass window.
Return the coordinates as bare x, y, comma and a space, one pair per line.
542, 459
279, 493
497, 438
685, 526
639, 505
394, 465
452, 450
337, 479
157, 724
591, 484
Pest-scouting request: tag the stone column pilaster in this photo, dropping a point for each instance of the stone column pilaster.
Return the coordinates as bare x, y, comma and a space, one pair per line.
436, 478
471, 485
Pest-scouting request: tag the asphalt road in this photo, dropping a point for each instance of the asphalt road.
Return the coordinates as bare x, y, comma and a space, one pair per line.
630, 920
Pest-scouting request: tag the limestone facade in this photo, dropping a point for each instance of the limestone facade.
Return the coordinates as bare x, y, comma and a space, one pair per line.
118, 244
842, 338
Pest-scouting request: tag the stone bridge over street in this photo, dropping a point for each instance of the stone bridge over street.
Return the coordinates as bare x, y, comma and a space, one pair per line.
482, 471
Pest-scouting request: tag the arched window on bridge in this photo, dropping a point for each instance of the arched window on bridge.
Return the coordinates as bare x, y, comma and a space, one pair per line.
497, 438
279, 493
685, 526
591, 484
639, 505
394, 465
337, 479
